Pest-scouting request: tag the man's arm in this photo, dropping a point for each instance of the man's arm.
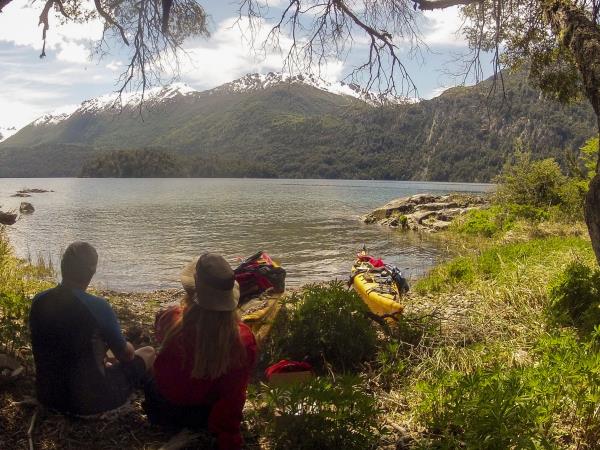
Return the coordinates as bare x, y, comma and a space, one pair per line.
126, 354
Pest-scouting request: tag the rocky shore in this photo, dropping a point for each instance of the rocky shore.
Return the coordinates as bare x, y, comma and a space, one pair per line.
425, 212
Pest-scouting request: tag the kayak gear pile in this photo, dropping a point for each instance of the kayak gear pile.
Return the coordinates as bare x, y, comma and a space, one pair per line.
257, 274
380, 285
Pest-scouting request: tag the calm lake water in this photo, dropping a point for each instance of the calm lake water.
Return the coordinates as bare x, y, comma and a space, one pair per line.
145, 230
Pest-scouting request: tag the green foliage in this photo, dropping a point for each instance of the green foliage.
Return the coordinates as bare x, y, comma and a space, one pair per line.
324, 413
326, 324
589, 157
498, 218
481, 222
527, 182
500, 407
135, 163
18, 281
575, 296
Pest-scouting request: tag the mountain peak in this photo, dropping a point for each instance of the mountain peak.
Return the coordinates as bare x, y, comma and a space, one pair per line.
256, 82
112, 101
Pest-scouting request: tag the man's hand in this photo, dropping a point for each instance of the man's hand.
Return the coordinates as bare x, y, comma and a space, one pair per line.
127, 354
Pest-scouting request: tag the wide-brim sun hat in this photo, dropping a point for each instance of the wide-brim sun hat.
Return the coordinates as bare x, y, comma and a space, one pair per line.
210, 281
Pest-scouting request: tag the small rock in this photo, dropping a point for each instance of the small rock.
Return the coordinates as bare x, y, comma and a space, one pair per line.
7, 218
32, 191
26, 208
21, 194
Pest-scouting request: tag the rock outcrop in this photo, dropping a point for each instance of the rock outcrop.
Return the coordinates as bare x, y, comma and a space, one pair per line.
26, 208
425, 212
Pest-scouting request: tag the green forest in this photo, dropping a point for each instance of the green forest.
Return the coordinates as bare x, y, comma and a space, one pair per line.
298, 131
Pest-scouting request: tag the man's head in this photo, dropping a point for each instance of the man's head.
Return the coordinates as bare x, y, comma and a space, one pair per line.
78, 264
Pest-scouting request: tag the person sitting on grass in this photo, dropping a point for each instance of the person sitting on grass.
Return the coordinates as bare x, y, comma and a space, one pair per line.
203, 367
71, 331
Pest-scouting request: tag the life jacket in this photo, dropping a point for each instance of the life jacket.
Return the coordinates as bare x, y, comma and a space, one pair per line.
258, 273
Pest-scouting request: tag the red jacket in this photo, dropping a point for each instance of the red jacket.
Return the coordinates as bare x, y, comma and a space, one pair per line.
226, 394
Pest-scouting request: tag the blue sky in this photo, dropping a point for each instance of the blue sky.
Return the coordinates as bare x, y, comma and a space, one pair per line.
68, 75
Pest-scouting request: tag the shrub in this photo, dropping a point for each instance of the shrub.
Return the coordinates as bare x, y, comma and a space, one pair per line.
527, 182
479, 222
575, 297
518, 407
490, 222
327, 324
321, 414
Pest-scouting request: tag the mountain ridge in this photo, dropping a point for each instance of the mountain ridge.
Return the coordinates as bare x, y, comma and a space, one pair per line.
267, 125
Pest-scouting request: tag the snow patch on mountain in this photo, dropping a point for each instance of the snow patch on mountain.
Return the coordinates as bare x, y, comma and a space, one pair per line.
127, 100
256, 82
134, 99
56, 116
6, 132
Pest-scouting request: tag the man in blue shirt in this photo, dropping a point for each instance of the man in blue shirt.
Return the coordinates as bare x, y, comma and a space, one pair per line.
71, 332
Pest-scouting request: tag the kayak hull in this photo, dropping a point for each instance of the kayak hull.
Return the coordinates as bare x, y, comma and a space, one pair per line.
261, 321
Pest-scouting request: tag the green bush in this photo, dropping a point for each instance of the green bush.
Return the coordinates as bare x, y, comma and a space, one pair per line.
498, 218
321, 414
518, 407
482, 222
327, 324
527, 182
575, 297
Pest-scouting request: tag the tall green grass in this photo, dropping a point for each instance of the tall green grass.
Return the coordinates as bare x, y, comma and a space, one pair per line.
19, 282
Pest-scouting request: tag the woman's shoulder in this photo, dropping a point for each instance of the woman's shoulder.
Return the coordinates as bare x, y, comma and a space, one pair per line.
165, 318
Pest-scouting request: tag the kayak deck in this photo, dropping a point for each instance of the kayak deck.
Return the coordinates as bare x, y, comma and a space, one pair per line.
382, 299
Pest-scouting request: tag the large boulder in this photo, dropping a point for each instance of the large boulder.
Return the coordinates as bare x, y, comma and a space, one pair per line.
425, 212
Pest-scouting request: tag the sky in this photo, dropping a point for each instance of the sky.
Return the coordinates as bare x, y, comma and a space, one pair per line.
70, 73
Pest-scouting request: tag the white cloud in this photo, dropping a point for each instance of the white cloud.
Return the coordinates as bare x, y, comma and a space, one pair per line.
71, 41
442, 27
229, 54
74, 52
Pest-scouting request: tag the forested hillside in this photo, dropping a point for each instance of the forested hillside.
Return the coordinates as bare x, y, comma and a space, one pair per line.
299, 131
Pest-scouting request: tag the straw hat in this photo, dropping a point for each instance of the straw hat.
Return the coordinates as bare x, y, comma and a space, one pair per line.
211, 279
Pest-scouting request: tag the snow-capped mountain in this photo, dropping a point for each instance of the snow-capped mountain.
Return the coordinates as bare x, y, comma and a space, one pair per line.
256, 82
272, 125
172, 92
115, 102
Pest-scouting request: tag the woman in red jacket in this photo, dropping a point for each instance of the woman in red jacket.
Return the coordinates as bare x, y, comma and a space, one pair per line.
202, 370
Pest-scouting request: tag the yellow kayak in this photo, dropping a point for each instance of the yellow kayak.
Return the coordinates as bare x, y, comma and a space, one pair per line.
380, 294
259, 314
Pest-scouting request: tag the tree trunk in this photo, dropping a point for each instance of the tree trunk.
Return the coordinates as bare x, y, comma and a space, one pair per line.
582, 37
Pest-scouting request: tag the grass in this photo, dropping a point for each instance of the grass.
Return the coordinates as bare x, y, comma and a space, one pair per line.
19, 281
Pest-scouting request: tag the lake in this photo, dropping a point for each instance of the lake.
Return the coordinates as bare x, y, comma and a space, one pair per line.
145, 230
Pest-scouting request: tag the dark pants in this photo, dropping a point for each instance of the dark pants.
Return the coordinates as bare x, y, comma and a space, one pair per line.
162, 412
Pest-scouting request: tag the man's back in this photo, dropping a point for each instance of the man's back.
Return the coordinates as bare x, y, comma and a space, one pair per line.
70, 331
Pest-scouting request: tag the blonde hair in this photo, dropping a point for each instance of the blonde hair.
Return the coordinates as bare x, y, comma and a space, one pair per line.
215, 339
